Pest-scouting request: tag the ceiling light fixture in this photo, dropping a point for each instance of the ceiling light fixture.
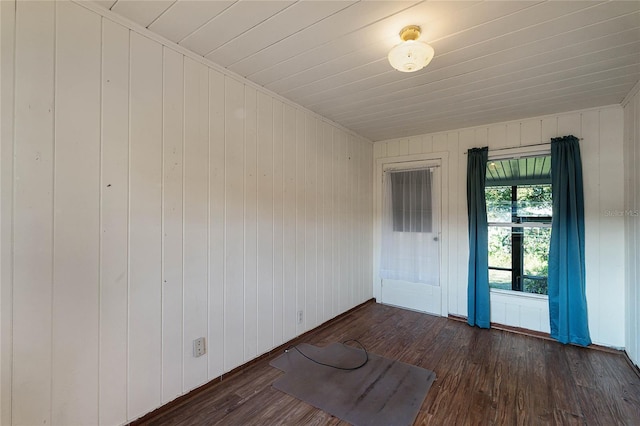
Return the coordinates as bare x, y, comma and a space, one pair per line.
410, 55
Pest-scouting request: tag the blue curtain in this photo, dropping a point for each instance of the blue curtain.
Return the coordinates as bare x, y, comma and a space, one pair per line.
566, 283
478, 286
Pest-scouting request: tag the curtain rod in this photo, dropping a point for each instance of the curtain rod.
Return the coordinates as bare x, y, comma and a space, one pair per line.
525, 146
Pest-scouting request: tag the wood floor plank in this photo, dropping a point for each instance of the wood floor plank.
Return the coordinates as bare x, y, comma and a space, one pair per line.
488, 377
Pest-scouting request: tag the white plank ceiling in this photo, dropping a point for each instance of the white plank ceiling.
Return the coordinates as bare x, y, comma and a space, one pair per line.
495, 61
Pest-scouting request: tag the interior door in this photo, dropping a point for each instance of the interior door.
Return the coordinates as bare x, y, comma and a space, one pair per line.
410, 243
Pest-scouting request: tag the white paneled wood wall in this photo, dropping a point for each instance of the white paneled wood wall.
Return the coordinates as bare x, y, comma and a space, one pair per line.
631, 216
149, 199
602, 156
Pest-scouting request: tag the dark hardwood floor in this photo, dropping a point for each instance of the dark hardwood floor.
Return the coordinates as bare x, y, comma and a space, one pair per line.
484, 377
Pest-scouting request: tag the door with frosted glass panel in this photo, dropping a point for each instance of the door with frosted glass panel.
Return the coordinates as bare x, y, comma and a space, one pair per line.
410, 239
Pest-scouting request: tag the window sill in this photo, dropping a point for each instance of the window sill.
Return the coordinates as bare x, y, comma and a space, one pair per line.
519, 294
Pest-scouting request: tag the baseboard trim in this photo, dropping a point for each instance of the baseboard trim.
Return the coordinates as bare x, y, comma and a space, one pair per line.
534, 333
183, 399
634, 367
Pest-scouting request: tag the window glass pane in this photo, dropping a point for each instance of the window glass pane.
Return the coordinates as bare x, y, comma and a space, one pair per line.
500, 247
534, 201
411, 201
536, 259
500, 279
498, 203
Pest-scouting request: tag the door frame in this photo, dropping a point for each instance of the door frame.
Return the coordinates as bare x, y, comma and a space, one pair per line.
413, 161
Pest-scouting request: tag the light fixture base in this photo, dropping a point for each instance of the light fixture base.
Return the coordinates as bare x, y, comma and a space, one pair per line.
410, 32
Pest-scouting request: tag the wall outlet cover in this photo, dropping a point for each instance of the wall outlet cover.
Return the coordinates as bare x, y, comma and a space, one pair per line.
199, 347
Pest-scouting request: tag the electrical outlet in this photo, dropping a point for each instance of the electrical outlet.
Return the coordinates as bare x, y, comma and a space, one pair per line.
300, 317
199, 347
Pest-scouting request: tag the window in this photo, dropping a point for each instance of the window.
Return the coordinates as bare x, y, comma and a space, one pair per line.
518, 194
411, 201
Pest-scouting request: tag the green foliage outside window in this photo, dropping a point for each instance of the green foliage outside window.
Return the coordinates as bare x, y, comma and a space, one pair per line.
533, 203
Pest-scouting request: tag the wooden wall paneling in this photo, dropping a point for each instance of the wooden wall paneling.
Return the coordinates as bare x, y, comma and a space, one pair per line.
430, 142
497, 136
441, 142
353, 160
347, 225
498, 311
445, 233
321, 210
289, 221
549, 128
343, 208
265, 215
610, 266
530, 132
278, 223
355, 217
196, 220
234, 224
76, 219
360, 222
512, 313
360, 218
570, 124
403, 146
590, 153
415, 144
311, 290
455, 210
172, 224
366, 190
464, 139
145, 132
114, 207
482, 137
454, 214
33, 204
426, 142
338, 183
635, 241
327, 232
513, 134
392, 148
250, 225
7, 88
217, 170
634, 228
352, 164
379, 150
629, 123
369, 209
530, 317
300, 220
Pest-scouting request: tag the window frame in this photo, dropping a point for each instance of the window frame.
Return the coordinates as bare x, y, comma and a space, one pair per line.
532, 222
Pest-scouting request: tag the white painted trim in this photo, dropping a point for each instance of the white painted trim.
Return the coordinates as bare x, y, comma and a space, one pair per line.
412, 160
134, 26
7, 120
634, 90
520, 294
520, 152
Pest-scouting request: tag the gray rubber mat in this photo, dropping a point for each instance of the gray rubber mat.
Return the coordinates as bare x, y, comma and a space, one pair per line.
382, 392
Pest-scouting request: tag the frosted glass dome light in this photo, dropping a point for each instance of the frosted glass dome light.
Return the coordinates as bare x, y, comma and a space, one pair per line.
410, 55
